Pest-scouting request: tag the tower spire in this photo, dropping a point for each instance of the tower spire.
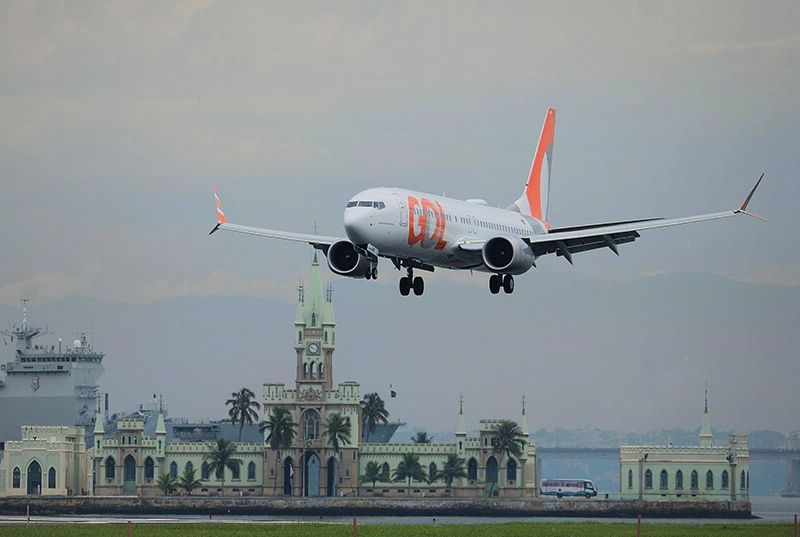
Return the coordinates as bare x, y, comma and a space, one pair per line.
705, 430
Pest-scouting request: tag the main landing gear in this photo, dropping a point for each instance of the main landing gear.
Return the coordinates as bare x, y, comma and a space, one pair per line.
506, 281
410, 282
372, 271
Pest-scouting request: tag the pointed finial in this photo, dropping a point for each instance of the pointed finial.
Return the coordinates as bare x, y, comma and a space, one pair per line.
300, 292
706, 397
329, 292
461, 403
523, 405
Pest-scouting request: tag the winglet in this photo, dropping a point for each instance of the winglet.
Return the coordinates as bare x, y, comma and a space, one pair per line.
743, 208
221, 216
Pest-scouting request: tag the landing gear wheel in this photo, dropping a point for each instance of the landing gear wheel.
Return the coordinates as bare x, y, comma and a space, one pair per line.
419, 286
374, 271
368, 275
405, 286
508, 284
494, 284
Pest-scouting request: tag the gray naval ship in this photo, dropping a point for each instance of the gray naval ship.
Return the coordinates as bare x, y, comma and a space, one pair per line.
47, 384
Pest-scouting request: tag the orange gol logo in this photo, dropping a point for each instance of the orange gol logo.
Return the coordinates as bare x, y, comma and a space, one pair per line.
428, 210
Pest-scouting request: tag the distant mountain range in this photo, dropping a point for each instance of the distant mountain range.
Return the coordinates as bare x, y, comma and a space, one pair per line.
627, 356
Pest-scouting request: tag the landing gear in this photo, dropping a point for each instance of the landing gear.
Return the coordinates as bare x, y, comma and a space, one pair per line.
372, 272
506, 281
407, 283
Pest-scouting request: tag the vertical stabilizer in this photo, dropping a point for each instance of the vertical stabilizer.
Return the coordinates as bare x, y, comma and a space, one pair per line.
533, 201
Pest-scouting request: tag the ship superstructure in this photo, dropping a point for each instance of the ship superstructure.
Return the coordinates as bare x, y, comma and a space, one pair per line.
52, 384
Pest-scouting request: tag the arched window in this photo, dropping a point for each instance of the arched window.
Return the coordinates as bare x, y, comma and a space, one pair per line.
204, 471
300, 336
313, 319
648, 479
321, 373
472, 469
313, 370
630, 479
663, 480
123, 440
678, 479
741, 481
326, 336
235, 471
310, 425
136, 440
709, 479
129, 468
189, 466
385, 468
432, 471
511, 470
694, 484
111, 468
16, 479
149, 468
173, 470
725, 479
305, 371
51, 478
251, 471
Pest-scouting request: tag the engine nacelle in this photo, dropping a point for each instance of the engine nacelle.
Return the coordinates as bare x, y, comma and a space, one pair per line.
508, 255
345, 260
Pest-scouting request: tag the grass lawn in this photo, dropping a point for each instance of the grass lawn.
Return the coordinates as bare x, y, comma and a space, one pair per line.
543, 529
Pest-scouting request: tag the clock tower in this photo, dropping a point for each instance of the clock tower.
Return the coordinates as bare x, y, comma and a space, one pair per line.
315, 337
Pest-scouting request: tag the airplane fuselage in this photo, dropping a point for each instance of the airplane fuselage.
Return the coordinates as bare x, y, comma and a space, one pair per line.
412, 224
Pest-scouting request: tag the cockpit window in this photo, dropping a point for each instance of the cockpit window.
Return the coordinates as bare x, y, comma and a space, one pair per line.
372, 204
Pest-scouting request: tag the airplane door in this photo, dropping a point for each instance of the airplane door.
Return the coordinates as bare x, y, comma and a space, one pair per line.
403, 210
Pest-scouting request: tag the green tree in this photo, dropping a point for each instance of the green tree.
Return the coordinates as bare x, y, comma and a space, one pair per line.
188, 482
337, 429
373, 411
453, 469
373, 473
167, 483
221, 457
243, 408
508, 440
421, 437
281, 429
409, 468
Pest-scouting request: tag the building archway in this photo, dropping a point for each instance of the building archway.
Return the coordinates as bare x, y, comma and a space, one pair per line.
129, 474
330, 485
312, 470
491, 476
288, 476
34, 478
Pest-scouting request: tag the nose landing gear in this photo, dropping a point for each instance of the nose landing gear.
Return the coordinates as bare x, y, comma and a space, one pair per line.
506, 281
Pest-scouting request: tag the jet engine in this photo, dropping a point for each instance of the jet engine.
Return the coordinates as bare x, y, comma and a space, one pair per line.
344, 259
507, 255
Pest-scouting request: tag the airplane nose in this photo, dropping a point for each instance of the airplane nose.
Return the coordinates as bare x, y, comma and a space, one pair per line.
357, 224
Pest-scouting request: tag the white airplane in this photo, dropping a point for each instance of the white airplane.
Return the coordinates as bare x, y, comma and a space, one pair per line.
423, 231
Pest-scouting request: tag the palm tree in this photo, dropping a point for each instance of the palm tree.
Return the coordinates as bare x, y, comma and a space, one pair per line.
453, 469
281, 429
337, 429
409, 468
374, 473
508, 440
243, 408
221, 457
167, 483
188, 482
421, 438
373, 411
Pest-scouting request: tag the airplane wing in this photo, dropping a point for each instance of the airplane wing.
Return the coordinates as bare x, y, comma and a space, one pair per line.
567, 241
320, 242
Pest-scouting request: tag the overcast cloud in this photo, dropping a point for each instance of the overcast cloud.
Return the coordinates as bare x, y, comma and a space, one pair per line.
120, 117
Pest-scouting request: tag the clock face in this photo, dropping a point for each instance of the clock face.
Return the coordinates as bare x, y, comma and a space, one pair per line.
313, 348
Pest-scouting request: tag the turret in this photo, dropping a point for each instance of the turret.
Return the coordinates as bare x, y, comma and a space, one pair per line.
705, 430
461, 426
161, 430
99, 430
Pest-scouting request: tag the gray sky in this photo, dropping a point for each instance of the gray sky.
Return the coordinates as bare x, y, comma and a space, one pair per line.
120, 117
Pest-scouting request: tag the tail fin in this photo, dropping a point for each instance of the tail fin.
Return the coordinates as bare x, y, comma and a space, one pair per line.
533, 201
